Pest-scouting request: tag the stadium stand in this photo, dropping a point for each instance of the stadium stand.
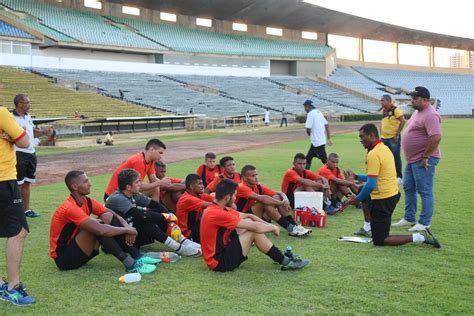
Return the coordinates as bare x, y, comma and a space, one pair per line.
78, 25
455, 91
52, 100
350, 78
184, 39
11, 31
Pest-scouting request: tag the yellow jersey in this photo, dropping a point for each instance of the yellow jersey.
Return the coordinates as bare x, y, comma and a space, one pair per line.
9, 126
381, 164
391, 123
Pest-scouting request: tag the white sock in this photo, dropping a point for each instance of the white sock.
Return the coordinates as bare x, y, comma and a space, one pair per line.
367, 227
173, 244
417, 237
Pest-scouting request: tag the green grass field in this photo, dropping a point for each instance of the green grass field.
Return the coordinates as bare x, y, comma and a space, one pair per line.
343, 278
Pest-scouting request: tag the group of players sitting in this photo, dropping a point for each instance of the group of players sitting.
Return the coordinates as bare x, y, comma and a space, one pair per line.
238, 212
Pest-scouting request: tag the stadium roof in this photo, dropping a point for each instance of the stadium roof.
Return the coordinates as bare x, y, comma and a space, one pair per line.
298, 15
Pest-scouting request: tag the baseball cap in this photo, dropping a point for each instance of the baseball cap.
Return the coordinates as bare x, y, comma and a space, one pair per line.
421, 92
308, 102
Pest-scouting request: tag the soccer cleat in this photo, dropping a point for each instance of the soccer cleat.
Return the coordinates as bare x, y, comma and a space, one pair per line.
188, 251
304, 230
17, 295
403, 222
295, 264
430, 238
148, 260
190, 243
31, 214
363, 233
418, 227
298, 231
331, 210
142, 268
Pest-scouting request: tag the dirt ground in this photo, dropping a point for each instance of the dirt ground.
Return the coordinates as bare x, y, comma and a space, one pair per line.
52, 169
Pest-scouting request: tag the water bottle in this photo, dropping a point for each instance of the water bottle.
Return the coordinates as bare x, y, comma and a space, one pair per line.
289, 252
130, 278
165, 256
313, 219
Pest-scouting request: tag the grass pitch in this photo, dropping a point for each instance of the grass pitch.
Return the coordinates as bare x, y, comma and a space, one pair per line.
343, 278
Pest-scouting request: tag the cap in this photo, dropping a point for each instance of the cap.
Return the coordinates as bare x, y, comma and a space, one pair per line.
308, 102
421, 92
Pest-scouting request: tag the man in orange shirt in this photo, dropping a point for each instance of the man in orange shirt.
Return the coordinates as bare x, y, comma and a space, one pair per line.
297, 178
143, 163
75, 236
171, 189
191, 205
338, 184
227, 235
209, 170
228, 164
262, 201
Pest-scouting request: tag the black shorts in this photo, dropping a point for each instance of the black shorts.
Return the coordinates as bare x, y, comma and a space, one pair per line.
72, 257
232, 256
318, 152
381, 217
12, 216
25, 167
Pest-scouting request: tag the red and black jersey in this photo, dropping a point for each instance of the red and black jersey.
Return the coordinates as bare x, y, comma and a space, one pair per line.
212, 186
242, 199
290, 182
189, 209
207, 175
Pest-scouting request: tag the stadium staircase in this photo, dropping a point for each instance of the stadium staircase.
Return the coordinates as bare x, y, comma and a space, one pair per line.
52, 100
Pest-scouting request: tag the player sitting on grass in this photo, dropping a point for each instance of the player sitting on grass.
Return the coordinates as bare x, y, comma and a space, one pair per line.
144, 164
262, 201
209, 170
227, 235
229, 172
339, 185
297, 178
381, 192
171, 189
150, 218
75, 236
191, 205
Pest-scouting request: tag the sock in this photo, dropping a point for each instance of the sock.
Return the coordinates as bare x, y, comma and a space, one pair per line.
173, 244
290, 219
128, 262
417, 237
283, 223
276, 255
111, 246
367, 226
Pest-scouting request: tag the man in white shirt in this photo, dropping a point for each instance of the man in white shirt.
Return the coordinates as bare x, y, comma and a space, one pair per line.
317, 129
26, 157
267, 117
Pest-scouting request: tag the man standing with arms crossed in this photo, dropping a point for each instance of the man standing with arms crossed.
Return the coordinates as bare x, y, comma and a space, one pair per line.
421, 147
13, 225
317, 129
25, 157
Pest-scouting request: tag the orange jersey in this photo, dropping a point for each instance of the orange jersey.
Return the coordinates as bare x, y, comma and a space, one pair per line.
66, 221
290, 179
188, 210
324, 171
244, 192
217, 225
173, 181
207, 175
136, 162
212, 186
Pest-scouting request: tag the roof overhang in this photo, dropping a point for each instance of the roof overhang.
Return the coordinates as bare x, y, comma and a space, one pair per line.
298, 15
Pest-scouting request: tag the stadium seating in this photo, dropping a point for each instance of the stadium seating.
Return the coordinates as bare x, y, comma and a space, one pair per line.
455, 91
11, 31
51, 100
352, 79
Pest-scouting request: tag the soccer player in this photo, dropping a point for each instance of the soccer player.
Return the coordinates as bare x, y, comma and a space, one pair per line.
13, 225
227, 235
381, 192
191, 205
171, 189
338, 184
209, 170
297, 178
150, 218
75, 237
144, 164
262, 201
227, 163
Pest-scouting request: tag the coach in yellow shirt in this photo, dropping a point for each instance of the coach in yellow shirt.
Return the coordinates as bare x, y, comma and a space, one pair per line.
381, 192
13, 225
392, 125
